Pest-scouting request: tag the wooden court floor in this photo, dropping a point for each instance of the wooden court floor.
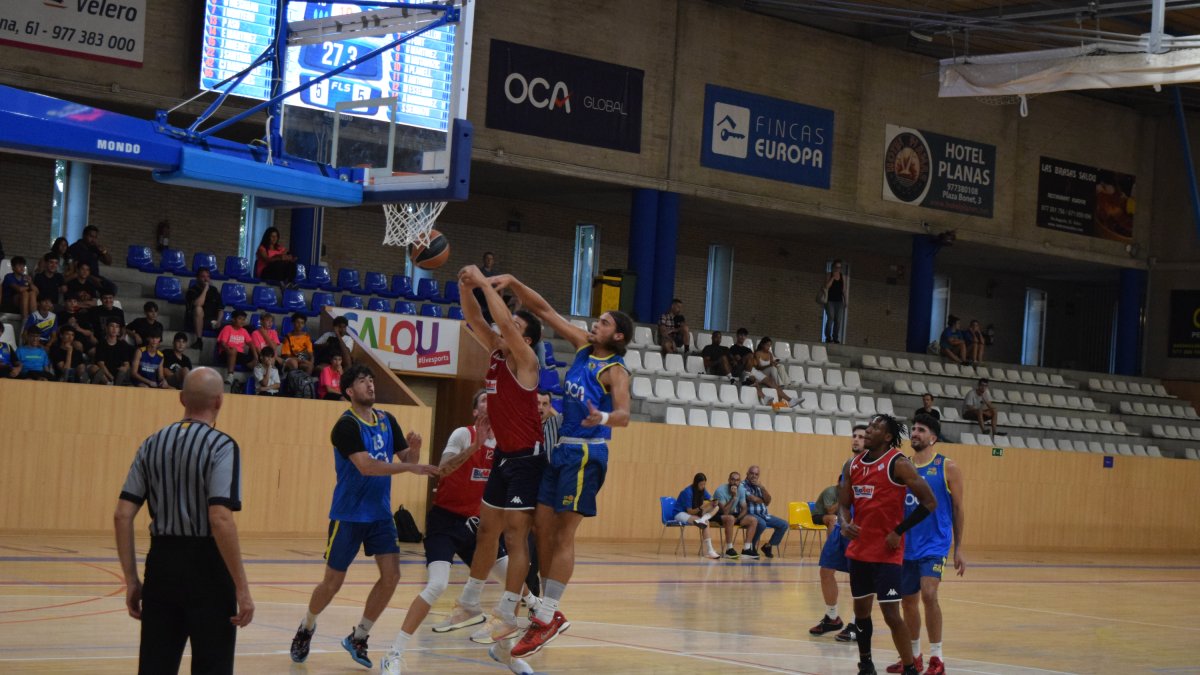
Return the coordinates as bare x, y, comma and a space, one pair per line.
62, 610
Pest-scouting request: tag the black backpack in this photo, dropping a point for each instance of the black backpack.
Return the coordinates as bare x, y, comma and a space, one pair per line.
298, 385
406, 526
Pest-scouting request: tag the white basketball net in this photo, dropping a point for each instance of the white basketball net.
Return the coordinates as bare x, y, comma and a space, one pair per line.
409, 223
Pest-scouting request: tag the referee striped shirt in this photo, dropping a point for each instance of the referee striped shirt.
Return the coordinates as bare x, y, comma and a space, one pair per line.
550, 430
181, 471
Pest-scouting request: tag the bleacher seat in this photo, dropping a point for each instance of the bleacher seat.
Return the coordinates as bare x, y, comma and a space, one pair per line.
653, 362
455, 312
548, 381
348, 281
429, 309
804, 424
866, 406
320, 299
551, 359
685, 393
762, 422
205, 259
707, 394
301, 274
237, 267
401, 287
748, 398
842, 427
234, 295
820, 355
853, 382
823, 426
676, 416
266, 299
719, 419
888, 363
293, 301
173, 262
869, 361
673, 364
426, 290
450, 294
169, 289
319, 278
140, 258
697, 417
375, 283
1034, 443
730, 396
377, 304
741, 420
695, 367
350, 301
884, 406
642, 337
784, 423
967, 438
404, 307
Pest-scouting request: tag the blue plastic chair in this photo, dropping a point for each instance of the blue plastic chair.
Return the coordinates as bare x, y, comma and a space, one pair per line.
450, 294
348, 281
173, 262
404, 307
301, 274
208, 260
318, 277
432, 310
285, 326
169, 289
237, 267
139, 258
455, 312
319, 300
351, 302
293, 301
550, 358
254, 322
401, 287
426, 290
548, 381
666, 507
377, 305
266, 299
375, 283
234, 295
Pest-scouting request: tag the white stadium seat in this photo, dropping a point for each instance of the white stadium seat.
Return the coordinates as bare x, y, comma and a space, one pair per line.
697, 417
741, 420
676, 416
804, 424
719, 419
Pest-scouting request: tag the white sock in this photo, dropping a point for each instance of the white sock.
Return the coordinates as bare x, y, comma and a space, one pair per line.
708, 547
507, 609
831, 612
935, 649
310, 620
363, 628
401, 642
746, 547
704, 518
531, 600
471, 592
546, 609
916, 647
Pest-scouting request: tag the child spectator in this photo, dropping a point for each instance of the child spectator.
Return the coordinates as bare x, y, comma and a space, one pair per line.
328, 386
266, 373
105, 312
266, 335
203, 305
235, 346
49, 282
35, 362
58, 251
110, 358
148, 365
298, 347
336, 341
10, 365
176, 364
975, 340
953, 345
18, 294
78, 320
85, 285
44, 320
141, 328
67, 356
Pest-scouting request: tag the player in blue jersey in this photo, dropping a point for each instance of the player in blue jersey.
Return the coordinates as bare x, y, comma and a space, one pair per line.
833, 554
927, 544
365, 441
596, 399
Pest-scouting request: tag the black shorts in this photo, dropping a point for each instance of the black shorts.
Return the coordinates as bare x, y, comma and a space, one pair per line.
515, 481
448, 534
244, 358
882, 580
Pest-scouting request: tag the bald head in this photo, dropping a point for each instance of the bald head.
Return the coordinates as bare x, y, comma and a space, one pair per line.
202, 392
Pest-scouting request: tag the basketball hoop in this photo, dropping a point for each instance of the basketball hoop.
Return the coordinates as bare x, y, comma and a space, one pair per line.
409, 223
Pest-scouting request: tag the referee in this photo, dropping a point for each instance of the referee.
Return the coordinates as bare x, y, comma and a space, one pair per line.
195, 584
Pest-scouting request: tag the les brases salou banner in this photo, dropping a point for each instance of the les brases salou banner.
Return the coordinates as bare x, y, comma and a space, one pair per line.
938, 172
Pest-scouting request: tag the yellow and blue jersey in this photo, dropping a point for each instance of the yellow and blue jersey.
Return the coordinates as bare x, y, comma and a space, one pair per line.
358, 498
932, 537
582, 387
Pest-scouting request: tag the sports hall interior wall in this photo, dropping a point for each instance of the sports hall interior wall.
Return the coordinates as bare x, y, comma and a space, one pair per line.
63, 474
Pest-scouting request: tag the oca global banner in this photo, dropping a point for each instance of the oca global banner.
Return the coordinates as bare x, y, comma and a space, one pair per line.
415, 344
938, 172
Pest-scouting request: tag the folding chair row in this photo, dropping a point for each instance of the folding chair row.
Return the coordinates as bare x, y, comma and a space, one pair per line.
995, 373
1183, 412
1062, 423
758, 421
1127, 387
1175, 431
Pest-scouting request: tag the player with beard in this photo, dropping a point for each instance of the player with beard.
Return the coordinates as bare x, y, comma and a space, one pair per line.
833, 556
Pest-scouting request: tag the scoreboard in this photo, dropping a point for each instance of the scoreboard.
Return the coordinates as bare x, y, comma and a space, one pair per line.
418, 72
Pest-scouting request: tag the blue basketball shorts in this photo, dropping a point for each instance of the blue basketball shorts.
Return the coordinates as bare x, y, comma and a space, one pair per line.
574, 477
833, 554
345, 538
915, 569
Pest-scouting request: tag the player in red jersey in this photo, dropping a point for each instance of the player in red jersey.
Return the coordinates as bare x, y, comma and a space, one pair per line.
875, 483
510, 496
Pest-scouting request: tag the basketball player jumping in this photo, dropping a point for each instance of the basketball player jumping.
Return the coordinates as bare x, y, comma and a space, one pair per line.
596, 399
874, 483
512, 486
927, 544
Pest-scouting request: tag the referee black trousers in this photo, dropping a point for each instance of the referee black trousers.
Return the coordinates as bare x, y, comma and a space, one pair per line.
188, 595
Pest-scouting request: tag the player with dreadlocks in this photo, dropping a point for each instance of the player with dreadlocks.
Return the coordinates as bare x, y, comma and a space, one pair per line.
875, 483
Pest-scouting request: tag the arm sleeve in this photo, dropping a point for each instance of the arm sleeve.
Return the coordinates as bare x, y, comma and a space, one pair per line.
345, 437
225, 476
459, 441
134, 489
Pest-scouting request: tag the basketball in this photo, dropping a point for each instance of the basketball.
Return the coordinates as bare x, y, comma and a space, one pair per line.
435, 254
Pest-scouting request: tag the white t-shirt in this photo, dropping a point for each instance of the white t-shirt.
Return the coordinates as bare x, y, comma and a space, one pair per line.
460, 440
974, 400
272, 381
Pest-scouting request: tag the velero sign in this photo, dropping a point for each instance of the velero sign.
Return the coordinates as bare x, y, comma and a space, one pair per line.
101, 30
1184, 336
928, 169
1085, 200
416, 344
766, 137
564, 97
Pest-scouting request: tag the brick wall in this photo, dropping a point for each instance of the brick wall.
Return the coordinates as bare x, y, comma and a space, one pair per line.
26, 191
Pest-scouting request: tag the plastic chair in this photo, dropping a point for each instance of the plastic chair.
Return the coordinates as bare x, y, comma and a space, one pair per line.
173, 262
169, 289
456, 312
405, 307
351, 302
234, 295
548, 381
377, 305
550, 357
426, 290
266, 299
800, 518
301, 275
666, 507
348, 281
429, 309
205, 259
375, 283
319, 277
140, 258
401, 287
450, 293
319, 300
237, 267
293, 301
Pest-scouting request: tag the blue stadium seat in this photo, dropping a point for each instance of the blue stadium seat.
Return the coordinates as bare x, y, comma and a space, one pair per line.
348, 281
377, 305
426, 290
455, 312
173, 262
226, 317
301, 274
237, 267
548, 381
401, 287
351, 301
169, 289
319, 300
285, 326
404, 307
450, 294
253, 321
266, 299
234, 295
375, 283
318, 278
140, 258
293, 301
429, 309
550, 358
202, 259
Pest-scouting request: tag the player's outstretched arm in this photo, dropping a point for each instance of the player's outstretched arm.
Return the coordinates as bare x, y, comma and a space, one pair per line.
480, 330
369, 466
521, 351
535, 303
954, 481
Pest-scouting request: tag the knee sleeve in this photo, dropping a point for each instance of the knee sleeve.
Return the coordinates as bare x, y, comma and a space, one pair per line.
439, 579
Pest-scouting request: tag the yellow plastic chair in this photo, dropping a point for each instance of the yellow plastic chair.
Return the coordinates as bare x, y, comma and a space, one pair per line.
800, 518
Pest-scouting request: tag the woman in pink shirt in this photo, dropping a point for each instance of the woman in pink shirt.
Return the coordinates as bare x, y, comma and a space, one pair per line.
329, 380
273, 262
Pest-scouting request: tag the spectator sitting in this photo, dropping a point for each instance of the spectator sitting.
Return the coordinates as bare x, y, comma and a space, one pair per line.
716, 357
203, 305
927, 407
758, 498
266, 335
953, 345
67, 356
695, 506
298, 347
49, 281
673, 332
327, 383
273, 262
89, 251
44, 320
336, 341
141, 328
973, 336
10, 365
110, 357
35, 362
768, 371
147, 368
731, 497
176, 364
236, 347
78, 319
266, 373
106, 311
740, 355
978, 406
58, 251
85, 285
18, 294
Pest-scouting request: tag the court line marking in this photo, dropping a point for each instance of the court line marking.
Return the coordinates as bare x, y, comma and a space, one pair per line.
1074, 615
